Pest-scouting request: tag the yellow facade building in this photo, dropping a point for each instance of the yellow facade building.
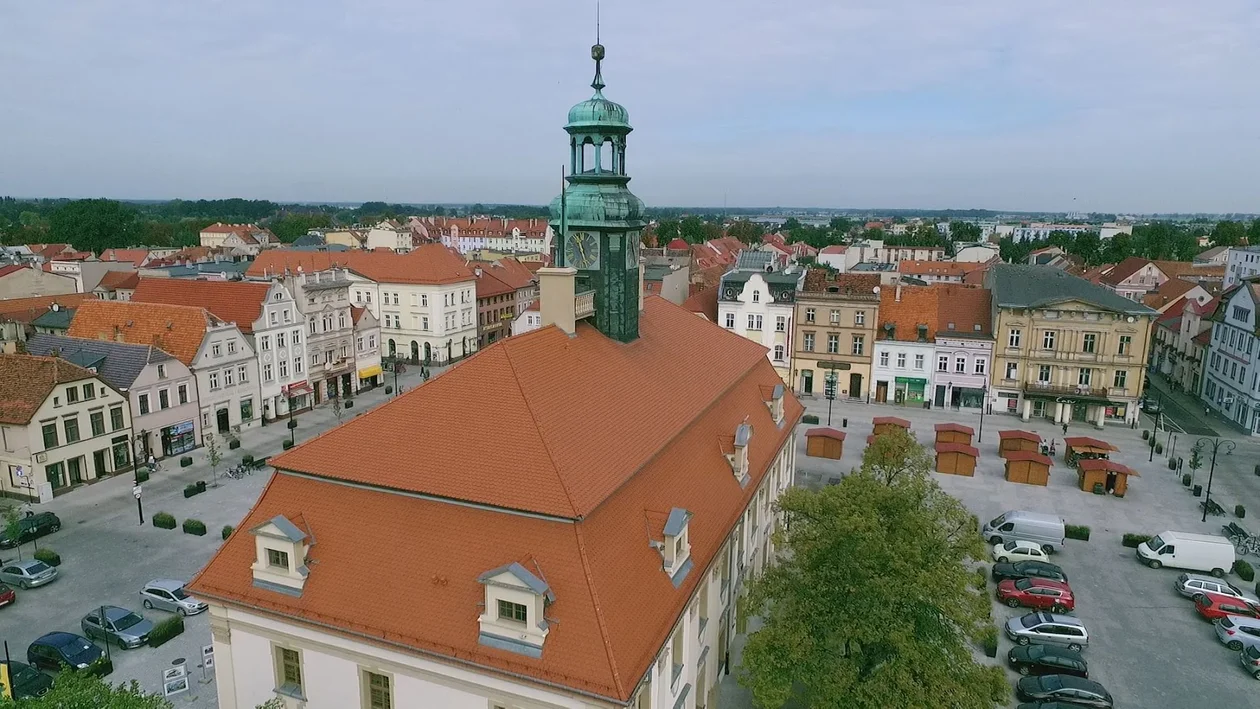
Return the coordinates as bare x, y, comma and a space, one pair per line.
836, 317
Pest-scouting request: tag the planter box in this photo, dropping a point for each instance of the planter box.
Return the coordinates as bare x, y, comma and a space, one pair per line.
349, 404
193, 526
142, 475
292, 423
193, 489
163, 631
162, 520
1240, 511
48, 556
809, 418
234, 444
185, 461
389, 389
287, 445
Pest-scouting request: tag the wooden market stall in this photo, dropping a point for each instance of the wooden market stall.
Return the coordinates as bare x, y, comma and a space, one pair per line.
1113, 476
884, 424
1029, 467
1084, 448
954, 433
823, 442
1011, 441
956, 459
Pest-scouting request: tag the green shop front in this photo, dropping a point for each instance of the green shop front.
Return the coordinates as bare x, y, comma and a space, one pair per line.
909, 390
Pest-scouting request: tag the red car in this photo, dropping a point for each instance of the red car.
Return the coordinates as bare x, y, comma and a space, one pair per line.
1045, 594
7, 595
1213, 606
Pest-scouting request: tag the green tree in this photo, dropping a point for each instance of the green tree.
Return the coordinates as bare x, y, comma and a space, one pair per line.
80, 690
1196, 460
1088, 246
1228, 233
691, 229
746, 231
214, 455
13, 526
964, 231
666, 231
1117, 248
840, 226
872, 604
1253, 233
291, 225
95, 225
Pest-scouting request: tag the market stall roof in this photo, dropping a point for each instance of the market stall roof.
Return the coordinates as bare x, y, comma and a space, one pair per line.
1105, 465
1026, 435
1029, 455
956, 428
825, 433
958, 448
1085, 443
890, 419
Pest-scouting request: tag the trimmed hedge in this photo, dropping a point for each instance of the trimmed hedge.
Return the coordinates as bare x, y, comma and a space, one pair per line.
389, 389
1240, 511
1185, 479
349, 404
292, 423
226, 531
1159, 449
185, 461
248, 460
48, 556
287, 445
234, 444
990, 641
194, 526
164, 520
166, 629
1076, 531
1244, 570
142, 475
1146, 435
193, 489
1132, 540
809, 418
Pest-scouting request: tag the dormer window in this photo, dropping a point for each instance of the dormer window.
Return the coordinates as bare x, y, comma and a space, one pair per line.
736, 450
281, 548
513, 616
775, 402
676, 547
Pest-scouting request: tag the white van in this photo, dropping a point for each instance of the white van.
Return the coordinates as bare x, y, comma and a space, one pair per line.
1183, 550
1046, 530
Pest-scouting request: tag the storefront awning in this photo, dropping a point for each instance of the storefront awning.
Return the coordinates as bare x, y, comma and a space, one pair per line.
369, 372
296, 388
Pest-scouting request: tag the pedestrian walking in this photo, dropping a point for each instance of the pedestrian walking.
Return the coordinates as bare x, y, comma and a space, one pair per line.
1065, 428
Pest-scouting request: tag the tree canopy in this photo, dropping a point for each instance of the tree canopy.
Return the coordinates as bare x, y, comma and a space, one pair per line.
872, 604
80, 690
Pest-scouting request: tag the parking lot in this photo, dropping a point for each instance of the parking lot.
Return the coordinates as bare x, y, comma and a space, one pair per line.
1148, 646
107, 556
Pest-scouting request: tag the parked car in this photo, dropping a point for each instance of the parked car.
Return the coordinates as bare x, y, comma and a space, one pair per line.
1213, 607
1237, 632
28, 574
31, 527
1019, 550
1045, 594
7, 596
1194, 585
1028, 569
1183, 550
1048, 629
28, 682
1077, 691
122, 627
1046, 530
55, 651
1046, 660
169, 595
1151, 406
1250, 659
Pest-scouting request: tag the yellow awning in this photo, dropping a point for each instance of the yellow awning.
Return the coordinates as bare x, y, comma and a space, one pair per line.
369, 372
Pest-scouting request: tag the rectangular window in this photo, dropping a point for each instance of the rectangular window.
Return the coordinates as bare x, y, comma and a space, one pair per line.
266, 372
859, 344
1121, 377
1013, 338
901, 360
883, 359
960, 365
379, 694
279, 339
918, 361
1012, 370
514, 612
72, 429
942, 363
1043, 374
780, 323
214, 381
1126, 344
1084, 376
289, 671
144, 404
809, 315
164, 399
979, 366
297, 337
72, 395
50, 435
277, 559
297, 365
1047, 340
247, 409
216, 350
89, 389
231, 346
730, 321
181, 394
833, 344
284, 368
859, 317
287, 316
756, 296
97, 420
808, 341
424, 300
228, 378
274, 317
1090, 343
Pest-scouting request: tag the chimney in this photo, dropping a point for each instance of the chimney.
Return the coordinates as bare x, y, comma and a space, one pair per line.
898, 296
557, 288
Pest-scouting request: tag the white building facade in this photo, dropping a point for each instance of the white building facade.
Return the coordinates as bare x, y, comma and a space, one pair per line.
1231, 377
1242, 262
281, 350
961, 370
757, 300
227, 381
902, 371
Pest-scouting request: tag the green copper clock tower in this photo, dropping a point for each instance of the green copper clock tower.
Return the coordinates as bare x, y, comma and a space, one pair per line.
597, 220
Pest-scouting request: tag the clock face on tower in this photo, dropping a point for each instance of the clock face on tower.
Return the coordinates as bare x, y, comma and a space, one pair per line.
581, 250
632, 250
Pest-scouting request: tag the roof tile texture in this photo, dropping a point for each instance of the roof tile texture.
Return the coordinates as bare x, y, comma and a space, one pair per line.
431, 264
238, 302
26, 381
178, 329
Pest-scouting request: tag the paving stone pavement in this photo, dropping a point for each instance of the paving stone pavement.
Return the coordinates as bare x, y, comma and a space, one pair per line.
107, 555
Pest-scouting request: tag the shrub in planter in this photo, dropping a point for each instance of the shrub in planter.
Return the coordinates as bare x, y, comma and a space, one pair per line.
389, 389
1076, 531
226, 531
1159, 449
48, 556
292, 423
194, 526
166, 629
164, 520
1132, 540
990, 641
1172, 463
809, 418
234, 444
1240, 511
248, 460
287, 445
142, 475
1146, 435
349, 404
1244, 570
192, 489
1185, 479
185, 461
1198, 490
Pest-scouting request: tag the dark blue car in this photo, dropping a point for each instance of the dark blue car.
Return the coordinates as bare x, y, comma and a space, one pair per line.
58, 650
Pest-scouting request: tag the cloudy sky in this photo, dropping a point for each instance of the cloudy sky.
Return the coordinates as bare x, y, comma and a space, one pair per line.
1111, 105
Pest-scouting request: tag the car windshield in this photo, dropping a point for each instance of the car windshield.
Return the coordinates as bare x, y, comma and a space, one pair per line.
1010, 546
127, 621
1051, 682
1155, 543
38, 567
1030, 620
1023, 584
998, 521
76, 646
1226, 623
1252, 651
179, 593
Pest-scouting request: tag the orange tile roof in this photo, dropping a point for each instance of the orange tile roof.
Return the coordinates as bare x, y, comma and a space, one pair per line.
27, 309
933, 268
917, 306
606, 463
488, 286
113, 280
703, 302
965, 307
237, 302
26, 381
135, 256
178, 329
821, 280
430, 264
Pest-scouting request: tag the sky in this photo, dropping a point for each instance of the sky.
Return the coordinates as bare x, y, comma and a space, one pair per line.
1073, 105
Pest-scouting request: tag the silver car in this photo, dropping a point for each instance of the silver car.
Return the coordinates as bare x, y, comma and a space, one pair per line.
1238, 632
121, 627
28, 574
1195, 585
169, 595
1048, 629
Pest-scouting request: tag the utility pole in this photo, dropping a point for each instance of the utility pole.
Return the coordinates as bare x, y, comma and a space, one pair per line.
829, 390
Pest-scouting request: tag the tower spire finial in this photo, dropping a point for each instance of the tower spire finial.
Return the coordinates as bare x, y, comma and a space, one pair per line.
597, 53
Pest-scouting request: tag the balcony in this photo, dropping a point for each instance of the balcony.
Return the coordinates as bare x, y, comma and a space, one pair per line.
584, 304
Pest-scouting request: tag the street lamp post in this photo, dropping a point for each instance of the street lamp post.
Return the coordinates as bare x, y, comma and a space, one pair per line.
1216, 444
291, 424
142, 449
984, 402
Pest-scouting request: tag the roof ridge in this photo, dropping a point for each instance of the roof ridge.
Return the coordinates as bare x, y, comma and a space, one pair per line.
604, 634
507, 354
